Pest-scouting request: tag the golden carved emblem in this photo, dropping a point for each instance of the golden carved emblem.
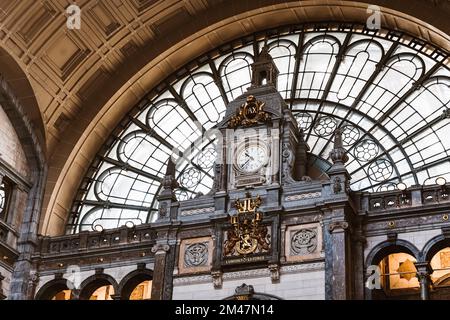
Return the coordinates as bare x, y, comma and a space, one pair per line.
247, 235
250, 113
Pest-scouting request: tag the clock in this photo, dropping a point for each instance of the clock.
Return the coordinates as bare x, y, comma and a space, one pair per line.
250, 158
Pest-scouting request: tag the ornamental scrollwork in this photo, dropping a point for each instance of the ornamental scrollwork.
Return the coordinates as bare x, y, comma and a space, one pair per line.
196, 255
247, 235
249, 114
303, 242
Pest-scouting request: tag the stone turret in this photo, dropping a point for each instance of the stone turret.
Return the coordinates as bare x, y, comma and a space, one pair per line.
338, 155
338, 173
301, 157
167, 195
264, 70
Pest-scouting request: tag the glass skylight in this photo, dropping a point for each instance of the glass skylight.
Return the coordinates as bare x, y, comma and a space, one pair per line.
389, 92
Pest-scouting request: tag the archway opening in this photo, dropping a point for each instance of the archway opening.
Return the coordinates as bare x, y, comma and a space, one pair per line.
398, 277
440, 278
102, 293
137, 286
55, 290
63, 295
98, 289
143, 291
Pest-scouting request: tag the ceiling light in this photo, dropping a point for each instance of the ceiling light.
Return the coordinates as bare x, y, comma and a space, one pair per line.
401, 186
129, 224
98, 228
441, 181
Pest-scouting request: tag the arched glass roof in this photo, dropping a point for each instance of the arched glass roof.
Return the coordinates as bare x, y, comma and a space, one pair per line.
388, 91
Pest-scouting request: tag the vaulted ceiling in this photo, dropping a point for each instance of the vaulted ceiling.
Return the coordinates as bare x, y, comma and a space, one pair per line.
76, 85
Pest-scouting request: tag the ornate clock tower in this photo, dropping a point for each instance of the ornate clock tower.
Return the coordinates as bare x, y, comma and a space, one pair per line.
261, 151
260, 137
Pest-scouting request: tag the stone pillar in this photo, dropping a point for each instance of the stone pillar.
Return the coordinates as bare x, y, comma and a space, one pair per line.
359, 243
158, 283
423, 274
75, 294
337, 258
167, 196
2, 296
337, 215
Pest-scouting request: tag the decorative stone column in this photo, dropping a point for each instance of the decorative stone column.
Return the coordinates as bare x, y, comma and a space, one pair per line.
423, 273
337, 218
167, 195
33, 282
337, 258
359, 243
158, 283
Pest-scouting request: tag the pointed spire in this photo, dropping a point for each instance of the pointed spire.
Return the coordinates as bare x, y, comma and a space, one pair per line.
301, 157
170, 170
169, 182
264, 70
338, 155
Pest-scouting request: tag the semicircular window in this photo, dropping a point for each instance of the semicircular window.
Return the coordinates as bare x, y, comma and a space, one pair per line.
389, 93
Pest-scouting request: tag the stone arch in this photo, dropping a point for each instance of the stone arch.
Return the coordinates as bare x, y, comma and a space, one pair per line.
387, 247
48, 290
433, 246
131, 280
92, 130
92, 283
18, 84
19, 103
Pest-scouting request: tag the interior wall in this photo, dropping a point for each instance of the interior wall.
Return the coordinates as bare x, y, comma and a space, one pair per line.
11, 151
293, 285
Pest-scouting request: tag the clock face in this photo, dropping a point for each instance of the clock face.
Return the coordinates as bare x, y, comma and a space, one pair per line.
251, 158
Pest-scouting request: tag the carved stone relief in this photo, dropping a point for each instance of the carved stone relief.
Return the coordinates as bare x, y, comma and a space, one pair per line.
195, 255
261, 241
288, 164
303, 242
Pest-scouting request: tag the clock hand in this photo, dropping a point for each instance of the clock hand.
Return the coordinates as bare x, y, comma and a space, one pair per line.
245, 163
251, 158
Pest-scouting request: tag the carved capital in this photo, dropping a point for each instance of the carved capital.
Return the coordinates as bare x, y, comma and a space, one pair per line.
34, 278
392, 236
343, 225
160, 248
424, 270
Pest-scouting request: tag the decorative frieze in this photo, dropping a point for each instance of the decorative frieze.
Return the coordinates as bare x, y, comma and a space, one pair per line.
303, 196
217, 277
193, 212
